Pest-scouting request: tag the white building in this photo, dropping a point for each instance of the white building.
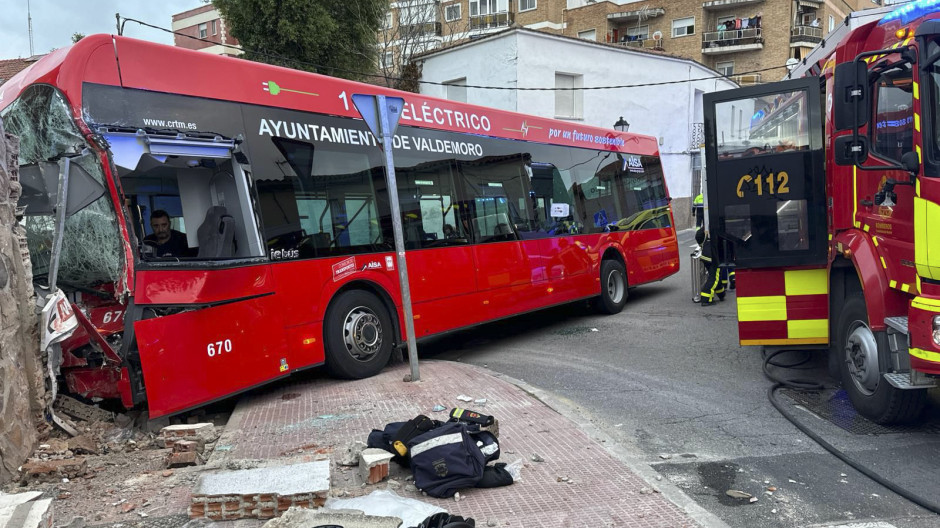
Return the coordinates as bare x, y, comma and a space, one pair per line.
521, 58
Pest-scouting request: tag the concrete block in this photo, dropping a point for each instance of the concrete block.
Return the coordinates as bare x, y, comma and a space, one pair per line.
22, 510
309, 477
373, 465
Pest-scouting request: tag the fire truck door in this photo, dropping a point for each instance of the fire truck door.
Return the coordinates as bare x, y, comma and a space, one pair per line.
767, 207
765, 176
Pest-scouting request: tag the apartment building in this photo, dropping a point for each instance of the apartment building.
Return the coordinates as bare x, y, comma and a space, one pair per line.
209, 29
737, 38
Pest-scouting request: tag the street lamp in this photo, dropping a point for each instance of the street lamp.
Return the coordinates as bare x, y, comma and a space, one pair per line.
622, 125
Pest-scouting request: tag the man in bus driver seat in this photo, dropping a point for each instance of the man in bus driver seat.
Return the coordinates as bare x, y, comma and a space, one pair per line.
166, 242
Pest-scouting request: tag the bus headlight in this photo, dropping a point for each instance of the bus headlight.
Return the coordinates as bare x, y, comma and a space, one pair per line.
936, 330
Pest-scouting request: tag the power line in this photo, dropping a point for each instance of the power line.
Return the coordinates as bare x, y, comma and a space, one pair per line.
284, 59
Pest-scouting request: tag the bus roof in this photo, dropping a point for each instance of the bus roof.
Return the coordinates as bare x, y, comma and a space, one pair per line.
138, 64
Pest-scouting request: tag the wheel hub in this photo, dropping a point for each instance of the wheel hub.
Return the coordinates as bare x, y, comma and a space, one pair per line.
362, 333
615, 286
861, 355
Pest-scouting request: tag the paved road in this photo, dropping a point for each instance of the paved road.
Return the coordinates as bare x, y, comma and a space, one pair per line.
667, 379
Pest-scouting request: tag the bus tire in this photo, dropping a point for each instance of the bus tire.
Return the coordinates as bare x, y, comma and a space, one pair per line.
614, 288
862, 378
359, 335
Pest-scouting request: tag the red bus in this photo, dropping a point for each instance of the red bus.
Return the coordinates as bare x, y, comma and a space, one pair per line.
283, 253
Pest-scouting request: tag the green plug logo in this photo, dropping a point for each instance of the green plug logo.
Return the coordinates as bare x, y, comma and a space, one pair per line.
273, 88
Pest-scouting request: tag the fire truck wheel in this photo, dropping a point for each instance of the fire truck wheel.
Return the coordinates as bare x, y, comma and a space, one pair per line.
358, 334
862, 378
613, 287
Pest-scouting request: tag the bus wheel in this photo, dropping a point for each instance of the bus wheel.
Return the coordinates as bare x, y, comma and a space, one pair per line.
862, 378
613, 287
359, 335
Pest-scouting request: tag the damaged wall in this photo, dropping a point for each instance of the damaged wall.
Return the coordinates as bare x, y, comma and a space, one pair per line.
21, 379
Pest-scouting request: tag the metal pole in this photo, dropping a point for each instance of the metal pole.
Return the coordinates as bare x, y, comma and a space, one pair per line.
387, 141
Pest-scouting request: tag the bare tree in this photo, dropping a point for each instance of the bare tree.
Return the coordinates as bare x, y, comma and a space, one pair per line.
413, 27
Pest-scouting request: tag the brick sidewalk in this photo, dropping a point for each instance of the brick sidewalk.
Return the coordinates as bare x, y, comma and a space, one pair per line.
301, 419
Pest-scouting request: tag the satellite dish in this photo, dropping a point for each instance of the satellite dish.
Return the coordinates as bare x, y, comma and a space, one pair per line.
658, 35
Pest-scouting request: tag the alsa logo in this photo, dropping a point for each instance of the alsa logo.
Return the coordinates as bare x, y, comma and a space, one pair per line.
372, 266
634, 164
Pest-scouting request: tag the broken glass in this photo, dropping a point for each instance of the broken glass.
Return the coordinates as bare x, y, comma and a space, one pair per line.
91, 244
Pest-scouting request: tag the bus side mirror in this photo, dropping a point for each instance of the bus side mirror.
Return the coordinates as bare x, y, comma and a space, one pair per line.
851, 95
851, 151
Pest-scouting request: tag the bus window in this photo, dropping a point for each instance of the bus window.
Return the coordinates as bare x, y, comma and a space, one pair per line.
191, 204
495, 185
91, 245
596, 178
431, 214
320, 200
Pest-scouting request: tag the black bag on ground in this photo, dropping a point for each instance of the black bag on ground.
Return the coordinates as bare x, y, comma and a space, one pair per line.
446, 459
495, 476
446, 520
487, 443
395, 436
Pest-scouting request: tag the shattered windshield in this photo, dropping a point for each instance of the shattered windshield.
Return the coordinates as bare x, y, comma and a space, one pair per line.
91, 247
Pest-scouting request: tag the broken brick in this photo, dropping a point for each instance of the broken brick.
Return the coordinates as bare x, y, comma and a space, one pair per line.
55, 469
185, 446
177, 460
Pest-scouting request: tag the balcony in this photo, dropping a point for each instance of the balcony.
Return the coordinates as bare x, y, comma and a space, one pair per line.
633, 16
805, 36
428, 29
732, 41
617, 37
491, 21
715, 5
746, 79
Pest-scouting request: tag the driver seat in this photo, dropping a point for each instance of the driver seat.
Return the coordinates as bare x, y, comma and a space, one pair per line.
216, 235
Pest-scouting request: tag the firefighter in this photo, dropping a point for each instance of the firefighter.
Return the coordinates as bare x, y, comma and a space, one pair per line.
698, 208
713, 289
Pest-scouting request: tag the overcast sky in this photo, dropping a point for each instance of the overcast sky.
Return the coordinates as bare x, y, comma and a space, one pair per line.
54, 22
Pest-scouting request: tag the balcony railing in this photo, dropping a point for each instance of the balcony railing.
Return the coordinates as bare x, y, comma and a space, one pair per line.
733, 40
746, 79
629, 42
806, 34
492, 20
426, 28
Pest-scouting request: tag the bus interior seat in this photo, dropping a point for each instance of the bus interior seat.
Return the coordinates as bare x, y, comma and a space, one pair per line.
321, 240
216, 235
491, 225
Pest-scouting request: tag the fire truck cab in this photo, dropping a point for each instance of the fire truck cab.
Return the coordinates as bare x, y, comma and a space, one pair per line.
824, 192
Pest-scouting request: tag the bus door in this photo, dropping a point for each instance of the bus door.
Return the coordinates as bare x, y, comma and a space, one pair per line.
767, 207
204, 317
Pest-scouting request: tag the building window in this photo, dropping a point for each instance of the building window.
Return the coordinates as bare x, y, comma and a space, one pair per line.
637, 33
452, 12
725, 68
457, 90
214, 25
569, 100
683, 26
526, 5
488, 7
832, 22
203, 30
388, 20
386, 60
808, 18
590, 34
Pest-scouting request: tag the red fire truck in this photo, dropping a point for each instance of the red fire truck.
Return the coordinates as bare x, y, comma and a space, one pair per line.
282, 257
825, 192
